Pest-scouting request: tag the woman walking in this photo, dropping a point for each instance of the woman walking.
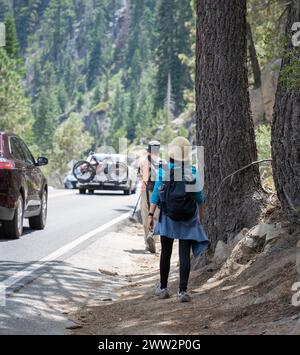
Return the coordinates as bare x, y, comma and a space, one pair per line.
178, 193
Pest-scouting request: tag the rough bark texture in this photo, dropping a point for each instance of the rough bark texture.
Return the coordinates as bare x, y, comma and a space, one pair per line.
224, 124
286, 132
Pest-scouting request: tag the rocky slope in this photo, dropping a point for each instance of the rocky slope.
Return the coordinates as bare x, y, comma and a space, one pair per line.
248, 292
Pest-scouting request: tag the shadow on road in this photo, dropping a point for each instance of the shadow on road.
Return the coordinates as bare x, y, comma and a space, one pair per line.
42, 308
26, 232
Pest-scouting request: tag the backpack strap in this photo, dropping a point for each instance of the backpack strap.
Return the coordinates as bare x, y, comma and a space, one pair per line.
152, 165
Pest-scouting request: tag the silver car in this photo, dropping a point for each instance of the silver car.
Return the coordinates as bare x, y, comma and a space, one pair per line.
106, 172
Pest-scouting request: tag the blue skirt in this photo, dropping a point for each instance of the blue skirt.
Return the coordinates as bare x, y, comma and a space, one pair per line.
183, 230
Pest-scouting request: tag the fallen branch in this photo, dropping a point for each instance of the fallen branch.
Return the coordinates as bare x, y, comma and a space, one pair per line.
239, 170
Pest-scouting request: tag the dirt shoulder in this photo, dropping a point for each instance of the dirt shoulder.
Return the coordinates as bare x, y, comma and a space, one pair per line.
254, 300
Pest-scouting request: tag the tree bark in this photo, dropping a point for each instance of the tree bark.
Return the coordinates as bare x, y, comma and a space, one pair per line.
286, 128
224, 124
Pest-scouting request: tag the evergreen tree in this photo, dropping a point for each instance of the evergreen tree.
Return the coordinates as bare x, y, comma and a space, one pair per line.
80, 102
132, 120
224, 124
12, 44
62, 97
144, 107
95, 64
135, 30
166, 50
286, 124
141, 41
65, 146
118, 115
28, 15
100, 53
97, 95
119, 109
182, 81
46, 118
15, 112
173, 39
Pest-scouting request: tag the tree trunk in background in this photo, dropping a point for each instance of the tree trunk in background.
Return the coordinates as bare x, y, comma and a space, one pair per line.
224, 124
253, 59
286, 127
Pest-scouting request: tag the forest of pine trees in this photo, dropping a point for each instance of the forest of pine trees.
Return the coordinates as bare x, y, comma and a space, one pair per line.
82, 56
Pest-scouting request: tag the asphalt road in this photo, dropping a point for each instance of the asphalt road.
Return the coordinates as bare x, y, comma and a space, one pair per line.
70, 215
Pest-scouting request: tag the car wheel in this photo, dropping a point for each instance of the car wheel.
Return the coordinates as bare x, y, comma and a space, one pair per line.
39, 222
91, 192
128, 191
14, 228
82, 191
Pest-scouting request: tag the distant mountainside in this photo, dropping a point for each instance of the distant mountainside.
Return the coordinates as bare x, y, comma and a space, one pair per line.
108, 60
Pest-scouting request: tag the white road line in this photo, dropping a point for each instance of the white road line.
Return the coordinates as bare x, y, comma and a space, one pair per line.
17, 277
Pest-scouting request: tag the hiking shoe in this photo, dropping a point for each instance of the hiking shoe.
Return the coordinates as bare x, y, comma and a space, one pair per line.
151, 244
164, 294
157, 290
161, 293
184, 297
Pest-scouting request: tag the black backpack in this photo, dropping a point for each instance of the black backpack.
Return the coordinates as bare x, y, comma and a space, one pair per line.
175, 201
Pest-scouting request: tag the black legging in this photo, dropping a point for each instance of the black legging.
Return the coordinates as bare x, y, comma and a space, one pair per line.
184, 260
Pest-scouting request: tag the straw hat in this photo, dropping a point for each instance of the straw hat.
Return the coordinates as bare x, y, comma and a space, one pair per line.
180, 149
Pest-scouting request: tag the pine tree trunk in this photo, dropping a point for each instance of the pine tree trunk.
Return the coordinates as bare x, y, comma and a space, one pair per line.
224, 124
286, 128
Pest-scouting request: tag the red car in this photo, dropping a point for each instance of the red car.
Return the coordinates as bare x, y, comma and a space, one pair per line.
23, 187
